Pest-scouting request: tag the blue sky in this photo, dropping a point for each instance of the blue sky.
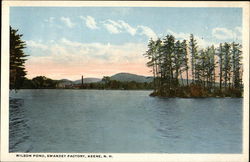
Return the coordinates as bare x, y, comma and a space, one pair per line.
118, 36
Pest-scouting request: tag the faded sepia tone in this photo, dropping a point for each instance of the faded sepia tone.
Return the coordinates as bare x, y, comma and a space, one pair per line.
134, 79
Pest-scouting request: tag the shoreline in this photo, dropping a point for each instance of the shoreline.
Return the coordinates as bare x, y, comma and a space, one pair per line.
150, 95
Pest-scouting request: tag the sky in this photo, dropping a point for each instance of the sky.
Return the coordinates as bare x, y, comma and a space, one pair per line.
68, 42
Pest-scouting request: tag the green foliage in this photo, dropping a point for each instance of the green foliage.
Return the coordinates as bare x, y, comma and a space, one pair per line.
169, 60
17, 59
40, 82
118, 85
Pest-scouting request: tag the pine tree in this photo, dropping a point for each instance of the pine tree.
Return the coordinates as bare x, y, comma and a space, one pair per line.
150, 54
168, 61
193, 48
220, 55
17, 59
185, 58
226, 63
236, 63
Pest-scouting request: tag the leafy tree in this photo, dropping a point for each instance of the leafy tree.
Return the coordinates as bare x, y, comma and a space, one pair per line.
41, 82
17, 59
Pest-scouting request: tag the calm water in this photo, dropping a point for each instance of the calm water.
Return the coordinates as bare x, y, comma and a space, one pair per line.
122, 122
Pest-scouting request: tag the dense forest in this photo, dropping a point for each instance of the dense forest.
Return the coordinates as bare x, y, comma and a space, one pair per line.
213, 71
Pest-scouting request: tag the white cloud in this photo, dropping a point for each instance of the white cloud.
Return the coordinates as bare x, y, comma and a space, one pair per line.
34, 44
67, 21
144, 30
112, 29
223, 33
234, 34
179, 35
70, 52
201, 42
90, 22
112, 26
127, 27
90, 59
119, 26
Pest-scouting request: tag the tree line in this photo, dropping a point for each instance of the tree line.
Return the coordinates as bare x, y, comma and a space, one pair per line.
42, 82
213, 71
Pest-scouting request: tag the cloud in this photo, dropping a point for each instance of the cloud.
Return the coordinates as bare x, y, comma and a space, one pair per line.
223, 33
127, 27
90, 22
70, 59
119, 26
144, 30
67, 21
34, 44
179, 35
201, 42
112, 26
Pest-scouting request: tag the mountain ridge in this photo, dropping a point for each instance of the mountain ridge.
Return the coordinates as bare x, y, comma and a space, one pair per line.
122, 76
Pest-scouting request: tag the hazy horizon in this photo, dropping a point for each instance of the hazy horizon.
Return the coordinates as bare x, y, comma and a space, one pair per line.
80, 76
68, 42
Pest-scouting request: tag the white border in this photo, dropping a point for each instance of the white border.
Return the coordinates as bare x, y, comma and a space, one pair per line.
5, 156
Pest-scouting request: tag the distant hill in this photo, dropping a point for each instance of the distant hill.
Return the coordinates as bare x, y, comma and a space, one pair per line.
126, 77
87, 80
65, 82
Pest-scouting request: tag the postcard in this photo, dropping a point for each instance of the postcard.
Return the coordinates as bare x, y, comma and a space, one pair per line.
124, 81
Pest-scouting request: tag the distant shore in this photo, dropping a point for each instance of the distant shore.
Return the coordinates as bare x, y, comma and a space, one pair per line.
183, 92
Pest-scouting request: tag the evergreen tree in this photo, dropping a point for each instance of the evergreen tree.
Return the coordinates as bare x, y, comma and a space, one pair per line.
168, 48
220, 55
169, 59
185, 58
17, 59
193, 48
151, 55
226, 64
236, 63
